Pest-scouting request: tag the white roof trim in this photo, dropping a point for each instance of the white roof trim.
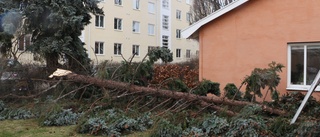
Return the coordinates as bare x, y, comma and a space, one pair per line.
192, 31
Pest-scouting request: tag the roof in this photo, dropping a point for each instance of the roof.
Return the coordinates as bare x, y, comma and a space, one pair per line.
192, 31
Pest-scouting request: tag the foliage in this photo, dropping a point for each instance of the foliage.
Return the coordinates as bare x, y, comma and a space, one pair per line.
207, 86
10, 113
214, 126
307, 129
280, 126
262, 78
231, 91
166, 129
62, 118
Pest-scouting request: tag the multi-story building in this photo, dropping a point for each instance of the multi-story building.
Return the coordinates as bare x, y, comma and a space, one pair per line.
135, 26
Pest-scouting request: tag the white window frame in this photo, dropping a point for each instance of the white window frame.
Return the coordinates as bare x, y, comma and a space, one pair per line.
151, 29
99, 48
24, 42
99, 22
188, 53
165, 4
188, 16
117, 24
178, 14
136, 26
178, 53
178, 33
165, 41
136, 4
118, 2
188, 1
302, 86
165, 22
151, 7
136, 50
117, 49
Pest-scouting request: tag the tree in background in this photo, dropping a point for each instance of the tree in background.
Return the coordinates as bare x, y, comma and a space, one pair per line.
55, 26
203, 8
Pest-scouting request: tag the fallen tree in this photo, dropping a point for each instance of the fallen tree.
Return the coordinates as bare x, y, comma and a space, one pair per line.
204, 101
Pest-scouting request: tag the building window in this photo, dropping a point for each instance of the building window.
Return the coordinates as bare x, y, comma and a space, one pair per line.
165, 4
151, 29
178, 33
135, 50
188, 53
150, 48
188, 1
135, 26
188, 17
136, 4
118, 2
117, 49
151, 7
303, 65
178, 53
117, 24
24, 42
165, 41
98, 48
178, 14
165, 22
99, 21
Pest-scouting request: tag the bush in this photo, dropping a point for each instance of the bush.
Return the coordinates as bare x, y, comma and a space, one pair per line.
232, 91
62, 118
166, 129
207, 86
214, 126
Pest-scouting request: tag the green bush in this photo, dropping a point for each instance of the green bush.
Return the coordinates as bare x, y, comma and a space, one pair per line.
207, 86
231, 91
62, 118
166, 129
214, 126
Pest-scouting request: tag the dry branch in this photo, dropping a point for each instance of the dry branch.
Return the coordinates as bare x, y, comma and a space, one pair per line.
202, 100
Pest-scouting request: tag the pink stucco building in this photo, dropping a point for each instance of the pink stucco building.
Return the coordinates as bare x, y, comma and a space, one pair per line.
250, 34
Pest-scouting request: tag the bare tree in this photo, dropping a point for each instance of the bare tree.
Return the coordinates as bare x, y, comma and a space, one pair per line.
203, 8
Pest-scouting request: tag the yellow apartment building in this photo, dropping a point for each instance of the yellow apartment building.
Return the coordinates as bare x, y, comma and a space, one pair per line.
131, 27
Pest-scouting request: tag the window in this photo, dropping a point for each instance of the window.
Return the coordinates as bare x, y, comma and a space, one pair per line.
188, 1
165, 41
178, 14
165, 4
151, 7
304, 64
178, 53
136, 4
98, 48
165, 22
117, 24
188, 17
188, 53
150, 48
118, 2
151, 29
117, 49
135, 26
135, 49
178, 33
99, 21
24, 42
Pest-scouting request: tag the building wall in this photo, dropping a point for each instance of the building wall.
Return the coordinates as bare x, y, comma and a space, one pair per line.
253, 35
127, 38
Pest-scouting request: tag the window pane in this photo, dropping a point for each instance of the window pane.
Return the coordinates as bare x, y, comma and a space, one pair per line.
313, 63
297, 65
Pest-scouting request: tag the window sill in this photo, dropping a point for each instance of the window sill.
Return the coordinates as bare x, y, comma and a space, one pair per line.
99, 54
118, 30
136, 32
301, 88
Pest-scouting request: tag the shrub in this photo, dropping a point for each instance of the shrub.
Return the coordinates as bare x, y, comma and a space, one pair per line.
231, 91
62, 118
307, 129
215, 126
166, 129
207, 86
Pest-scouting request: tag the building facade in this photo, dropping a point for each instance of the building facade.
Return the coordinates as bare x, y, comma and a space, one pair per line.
133, 27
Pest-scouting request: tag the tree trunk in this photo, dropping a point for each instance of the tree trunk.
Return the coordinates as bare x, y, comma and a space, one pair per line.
202, 100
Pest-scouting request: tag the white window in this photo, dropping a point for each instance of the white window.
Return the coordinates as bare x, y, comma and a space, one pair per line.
135, 49
188, 1
24, 42
188, 17
117, 24
117, 49
165, 22
304, 64
98, 48
136, 4
118, 2
178, 33
99, 21
135, 26
188, 53
178, 53
151, 8
178, 14
151, 29
165, 41
165, 4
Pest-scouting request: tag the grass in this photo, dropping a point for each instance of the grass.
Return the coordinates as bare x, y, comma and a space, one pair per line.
31, 128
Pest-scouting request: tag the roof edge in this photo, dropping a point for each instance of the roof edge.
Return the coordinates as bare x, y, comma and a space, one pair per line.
192, 30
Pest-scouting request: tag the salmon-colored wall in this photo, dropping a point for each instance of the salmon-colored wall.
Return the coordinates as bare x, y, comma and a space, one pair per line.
253, 35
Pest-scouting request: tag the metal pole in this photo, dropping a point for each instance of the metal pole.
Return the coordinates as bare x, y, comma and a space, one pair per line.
310, 91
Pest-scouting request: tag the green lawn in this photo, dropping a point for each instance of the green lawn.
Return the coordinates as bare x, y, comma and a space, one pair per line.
31, 128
